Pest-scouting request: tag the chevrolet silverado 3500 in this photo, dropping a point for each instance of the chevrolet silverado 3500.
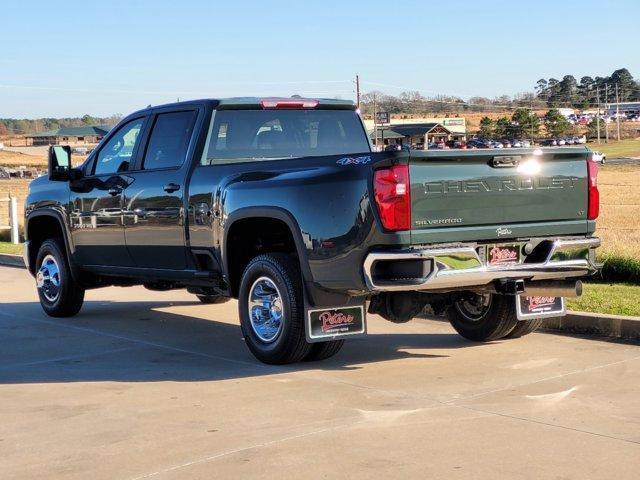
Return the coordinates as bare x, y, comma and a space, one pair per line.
284, 205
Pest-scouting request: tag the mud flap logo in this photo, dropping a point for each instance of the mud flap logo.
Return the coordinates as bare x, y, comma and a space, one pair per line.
327, 323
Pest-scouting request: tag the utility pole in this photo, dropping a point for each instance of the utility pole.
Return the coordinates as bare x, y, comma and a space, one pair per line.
358, 90
375, 123
598, 115
618, 112
606, 106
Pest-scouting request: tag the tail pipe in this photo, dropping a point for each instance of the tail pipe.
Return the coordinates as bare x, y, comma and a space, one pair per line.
565, 288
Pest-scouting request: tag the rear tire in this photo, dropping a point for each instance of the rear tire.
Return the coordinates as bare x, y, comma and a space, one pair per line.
525, 327
212, 299
60, 295
323, 350
483, 318
271, 308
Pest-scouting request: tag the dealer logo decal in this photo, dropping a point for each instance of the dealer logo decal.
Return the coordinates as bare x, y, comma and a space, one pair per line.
503, 255
534, 303
331, 320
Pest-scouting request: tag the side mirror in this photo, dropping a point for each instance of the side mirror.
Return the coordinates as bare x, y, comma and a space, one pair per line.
59, 162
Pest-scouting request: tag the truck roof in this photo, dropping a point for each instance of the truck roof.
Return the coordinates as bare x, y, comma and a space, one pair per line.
241, 103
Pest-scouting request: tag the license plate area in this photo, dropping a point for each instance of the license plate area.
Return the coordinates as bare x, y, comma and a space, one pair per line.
503, 254
539, 307
331, 323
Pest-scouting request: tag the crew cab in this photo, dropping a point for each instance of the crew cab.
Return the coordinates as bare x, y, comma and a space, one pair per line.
283, 204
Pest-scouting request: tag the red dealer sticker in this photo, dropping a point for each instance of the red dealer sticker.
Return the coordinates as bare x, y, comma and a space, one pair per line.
503, 254
337, 322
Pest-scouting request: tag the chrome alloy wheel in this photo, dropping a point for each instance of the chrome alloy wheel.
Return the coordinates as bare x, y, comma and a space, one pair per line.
265, 309
48, 278
474, 308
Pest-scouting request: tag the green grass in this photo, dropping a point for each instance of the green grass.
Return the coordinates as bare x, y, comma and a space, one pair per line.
614, 149
7, 247
619, 268
616, 299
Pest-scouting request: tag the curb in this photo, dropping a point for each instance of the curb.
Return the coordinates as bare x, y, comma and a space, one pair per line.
597, 325
616, 326
10, 260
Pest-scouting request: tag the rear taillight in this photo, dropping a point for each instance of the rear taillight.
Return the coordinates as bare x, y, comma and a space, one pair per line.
288, 103
392, 191
593, 209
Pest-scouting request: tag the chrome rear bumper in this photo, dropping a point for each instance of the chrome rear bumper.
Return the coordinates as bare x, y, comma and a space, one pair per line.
462, 266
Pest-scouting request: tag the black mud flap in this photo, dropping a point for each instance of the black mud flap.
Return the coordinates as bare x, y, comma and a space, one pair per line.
335, 322
528, 308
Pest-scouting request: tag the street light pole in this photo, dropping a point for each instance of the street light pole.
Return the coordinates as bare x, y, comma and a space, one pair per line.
606, 106
618, 112
375, 122
598, 114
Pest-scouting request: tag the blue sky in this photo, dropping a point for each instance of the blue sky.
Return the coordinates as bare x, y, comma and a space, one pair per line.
74, 57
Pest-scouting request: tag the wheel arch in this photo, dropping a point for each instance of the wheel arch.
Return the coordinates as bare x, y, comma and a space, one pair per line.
41, 225
245, 216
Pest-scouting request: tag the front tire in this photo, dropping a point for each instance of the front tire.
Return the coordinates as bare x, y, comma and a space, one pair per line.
271, 308
60, 295
483, 318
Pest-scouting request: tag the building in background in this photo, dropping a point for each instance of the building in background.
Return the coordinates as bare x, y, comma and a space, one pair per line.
417, 133
625, 107
89, 135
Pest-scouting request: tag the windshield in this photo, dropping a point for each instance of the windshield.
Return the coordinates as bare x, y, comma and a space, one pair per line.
241, 135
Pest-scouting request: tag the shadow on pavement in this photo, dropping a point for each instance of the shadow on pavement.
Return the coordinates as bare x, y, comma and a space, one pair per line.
136, 341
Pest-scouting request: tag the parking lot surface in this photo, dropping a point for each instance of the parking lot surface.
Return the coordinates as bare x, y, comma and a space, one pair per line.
155, 385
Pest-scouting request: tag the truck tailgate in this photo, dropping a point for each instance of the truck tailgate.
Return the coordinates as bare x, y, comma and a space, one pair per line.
489, 194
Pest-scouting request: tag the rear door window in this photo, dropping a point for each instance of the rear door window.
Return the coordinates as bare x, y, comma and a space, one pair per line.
169, 140
244, 135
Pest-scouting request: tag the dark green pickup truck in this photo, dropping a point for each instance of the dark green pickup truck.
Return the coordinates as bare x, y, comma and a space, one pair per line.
284, 205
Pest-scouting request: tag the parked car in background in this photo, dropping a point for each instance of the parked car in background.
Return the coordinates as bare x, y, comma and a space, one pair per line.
598, 157
477, 143
456, 144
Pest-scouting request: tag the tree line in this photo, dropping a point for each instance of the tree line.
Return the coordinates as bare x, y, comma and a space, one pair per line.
14, 126
524, 123
549, 93
568, 92
414, 103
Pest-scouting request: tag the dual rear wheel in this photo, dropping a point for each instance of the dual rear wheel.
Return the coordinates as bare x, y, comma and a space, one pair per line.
483, 318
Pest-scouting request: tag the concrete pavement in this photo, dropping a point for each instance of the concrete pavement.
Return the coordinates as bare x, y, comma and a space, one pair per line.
155, 385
